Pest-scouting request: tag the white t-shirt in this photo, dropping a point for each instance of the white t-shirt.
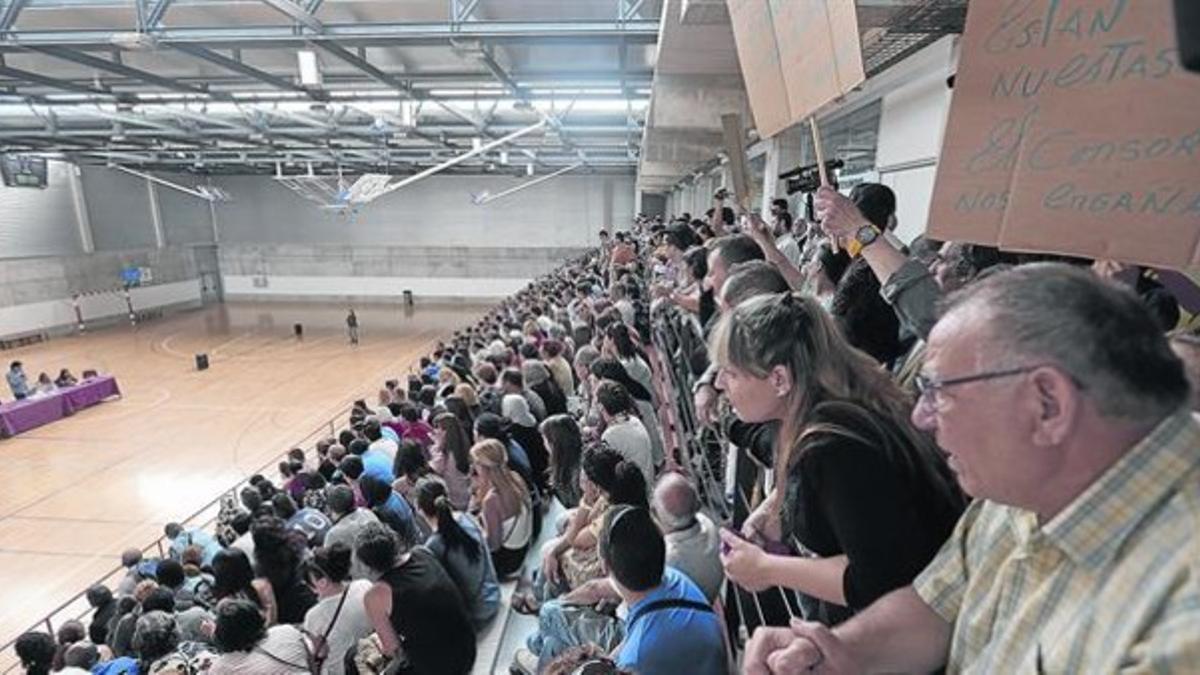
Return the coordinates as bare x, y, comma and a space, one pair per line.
282, 651
629, 437
352, 624
387, 446
789, 247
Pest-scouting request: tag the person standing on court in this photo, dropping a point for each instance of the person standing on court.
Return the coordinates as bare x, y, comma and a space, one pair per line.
17, 381
352, 326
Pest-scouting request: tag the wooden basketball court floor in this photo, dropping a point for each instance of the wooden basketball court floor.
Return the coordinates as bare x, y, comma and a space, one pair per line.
76, 493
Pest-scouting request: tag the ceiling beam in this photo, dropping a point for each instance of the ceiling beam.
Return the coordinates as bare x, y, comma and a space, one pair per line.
297, 13
249, 71
117, 68
55, 83
362, 64
566, 32
154, 12
8, 17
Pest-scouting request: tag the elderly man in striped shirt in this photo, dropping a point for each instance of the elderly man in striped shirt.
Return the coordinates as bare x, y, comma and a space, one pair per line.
1064, 413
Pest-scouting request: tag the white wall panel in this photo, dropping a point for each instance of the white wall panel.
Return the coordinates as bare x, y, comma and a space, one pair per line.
37, 316
118, 207
52, 314
40, 222
567, 211
372, 287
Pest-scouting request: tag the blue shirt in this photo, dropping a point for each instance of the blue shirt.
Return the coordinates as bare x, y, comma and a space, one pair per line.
397, 514
388, 432
377, 464
200, 538
659, 642
518, 455
125, 665
16, 382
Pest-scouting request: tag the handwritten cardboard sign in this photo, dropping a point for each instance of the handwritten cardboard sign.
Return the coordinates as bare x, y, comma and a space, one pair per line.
796, 56
1073, 129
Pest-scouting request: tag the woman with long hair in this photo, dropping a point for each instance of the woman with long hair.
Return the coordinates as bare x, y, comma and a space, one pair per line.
564, 443
538, 378
233, 577
573, 558
619, 344
862, 497
450, 458
504, 505
277, 555
464, 403
458, 544
409, 467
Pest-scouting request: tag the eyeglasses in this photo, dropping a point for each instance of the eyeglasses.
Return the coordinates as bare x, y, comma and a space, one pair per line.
929, 388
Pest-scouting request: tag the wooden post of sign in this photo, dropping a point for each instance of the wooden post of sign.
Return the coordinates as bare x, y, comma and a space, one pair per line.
820, 156
731, 126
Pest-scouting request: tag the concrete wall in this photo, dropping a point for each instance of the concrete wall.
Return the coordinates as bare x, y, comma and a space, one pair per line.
74, 237
36, 294
429, 238
382, 273
436, 212
41, 222
911, 126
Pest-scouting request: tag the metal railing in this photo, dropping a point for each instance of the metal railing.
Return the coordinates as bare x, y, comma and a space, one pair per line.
76, 607
724, 475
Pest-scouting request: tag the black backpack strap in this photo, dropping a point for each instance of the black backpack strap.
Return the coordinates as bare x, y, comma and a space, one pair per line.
669, 603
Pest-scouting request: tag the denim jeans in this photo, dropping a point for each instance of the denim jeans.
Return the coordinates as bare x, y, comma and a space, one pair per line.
562, 626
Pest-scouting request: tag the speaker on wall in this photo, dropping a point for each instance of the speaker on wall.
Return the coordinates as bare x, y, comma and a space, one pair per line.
202, 362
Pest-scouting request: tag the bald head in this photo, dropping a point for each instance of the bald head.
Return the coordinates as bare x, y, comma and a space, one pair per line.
675, 501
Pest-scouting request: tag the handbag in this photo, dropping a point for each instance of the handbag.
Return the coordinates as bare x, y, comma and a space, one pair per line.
319, 653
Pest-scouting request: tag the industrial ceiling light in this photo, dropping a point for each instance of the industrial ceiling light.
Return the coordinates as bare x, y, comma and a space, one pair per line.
133, 41
310, 68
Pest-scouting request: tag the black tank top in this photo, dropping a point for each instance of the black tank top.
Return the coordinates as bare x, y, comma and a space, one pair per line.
429, 615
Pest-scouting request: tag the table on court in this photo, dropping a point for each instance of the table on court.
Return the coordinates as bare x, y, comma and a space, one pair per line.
32, 412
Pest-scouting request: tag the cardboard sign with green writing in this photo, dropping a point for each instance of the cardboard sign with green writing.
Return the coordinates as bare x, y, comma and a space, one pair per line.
796, 56
1073, 129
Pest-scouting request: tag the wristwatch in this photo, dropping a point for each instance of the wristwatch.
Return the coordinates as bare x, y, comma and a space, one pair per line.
863, 237
866, 235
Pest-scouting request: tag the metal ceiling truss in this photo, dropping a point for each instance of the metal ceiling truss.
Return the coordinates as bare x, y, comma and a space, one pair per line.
8, 16
118, 68
158, 120
299, 14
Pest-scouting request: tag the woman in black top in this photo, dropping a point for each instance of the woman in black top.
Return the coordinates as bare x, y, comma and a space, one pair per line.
864, 500
414, 606
277, 555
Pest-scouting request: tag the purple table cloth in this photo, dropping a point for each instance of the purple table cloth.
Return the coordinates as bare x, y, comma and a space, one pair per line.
19, 416
89, 393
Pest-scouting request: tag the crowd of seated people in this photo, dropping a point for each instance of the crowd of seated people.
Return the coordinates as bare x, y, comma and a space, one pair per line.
747, 450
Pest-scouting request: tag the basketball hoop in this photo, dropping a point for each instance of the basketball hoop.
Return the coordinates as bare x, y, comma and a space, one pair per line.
332, 192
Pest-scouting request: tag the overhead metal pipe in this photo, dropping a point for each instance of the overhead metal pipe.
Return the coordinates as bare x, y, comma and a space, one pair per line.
527, 184
464, 157
165, 183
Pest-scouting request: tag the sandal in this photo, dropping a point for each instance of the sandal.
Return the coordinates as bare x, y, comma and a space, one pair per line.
525, 604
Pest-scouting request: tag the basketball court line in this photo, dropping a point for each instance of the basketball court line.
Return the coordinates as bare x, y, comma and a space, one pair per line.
68, 519
168, 342
54, 493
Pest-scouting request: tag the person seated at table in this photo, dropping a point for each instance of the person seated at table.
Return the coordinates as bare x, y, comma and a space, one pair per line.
44, 385
16, 381
65, 379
